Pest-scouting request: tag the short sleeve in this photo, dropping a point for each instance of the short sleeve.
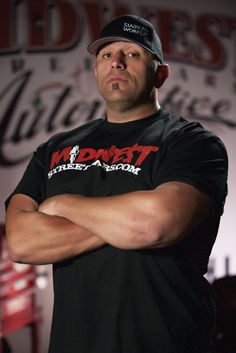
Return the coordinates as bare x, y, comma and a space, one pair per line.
197, 157
32, 182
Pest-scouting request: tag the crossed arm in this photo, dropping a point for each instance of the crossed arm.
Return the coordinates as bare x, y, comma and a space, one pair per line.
66, 225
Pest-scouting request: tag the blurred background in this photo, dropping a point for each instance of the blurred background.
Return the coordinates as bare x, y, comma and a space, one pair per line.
47, 86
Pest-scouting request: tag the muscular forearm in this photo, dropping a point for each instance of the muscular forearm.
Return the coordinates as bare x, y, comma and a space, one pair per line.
120, 221
37, 238
141, 219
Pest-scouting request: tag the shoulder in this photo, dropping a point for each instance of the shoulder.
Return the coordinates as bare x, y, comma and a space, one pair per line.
179, 129
177, 124
68, 135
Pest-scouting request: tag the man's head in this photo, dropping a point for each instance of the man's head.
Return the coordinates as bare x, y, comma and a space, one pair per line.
129, 28
129, 64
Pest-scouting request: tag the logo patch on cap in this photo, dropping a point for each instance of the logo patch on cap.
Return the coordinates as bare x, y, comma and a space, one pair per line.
133, 28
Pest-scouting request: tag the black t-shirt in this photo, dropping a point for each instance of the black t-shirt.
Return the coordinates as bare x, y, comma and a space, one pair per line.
132, 301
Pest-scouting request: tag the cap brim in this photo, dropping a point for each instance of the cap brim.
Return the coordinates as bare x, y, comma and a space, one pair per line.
94, 46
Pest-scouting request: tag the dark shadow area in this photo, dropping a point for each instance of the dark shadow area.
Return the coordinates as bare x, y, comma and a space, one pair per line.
225, 330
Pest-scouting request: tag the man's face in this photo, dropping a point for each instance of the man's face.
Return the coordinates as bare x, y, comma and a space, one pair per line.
125, 74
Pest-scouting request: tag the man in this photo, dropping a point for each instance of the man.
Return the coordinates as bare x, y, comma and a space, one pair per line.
129, 223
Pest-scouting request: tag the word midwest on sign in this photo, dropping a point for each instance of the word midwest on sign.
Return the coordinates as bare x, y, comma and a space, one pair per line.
60, 26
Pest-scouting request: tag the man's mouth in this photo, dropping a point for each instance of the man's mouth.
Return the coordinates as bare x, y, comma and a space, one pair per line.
116, 79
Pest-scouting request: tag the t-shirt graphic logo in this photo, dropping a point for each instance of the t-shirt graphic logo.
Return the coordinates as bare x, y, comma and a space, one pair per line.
74, 153
112, 159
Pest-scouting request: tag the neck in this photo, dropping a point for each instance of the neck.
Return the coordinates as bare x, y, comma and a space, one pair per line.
118, 114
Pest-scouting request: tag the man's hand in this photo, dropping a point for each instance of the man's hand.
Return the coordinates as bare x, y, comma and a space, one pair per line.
50, 205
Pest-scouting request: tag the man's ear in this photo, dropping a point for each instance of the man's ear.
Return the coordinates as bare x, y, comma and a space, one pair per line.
162, 73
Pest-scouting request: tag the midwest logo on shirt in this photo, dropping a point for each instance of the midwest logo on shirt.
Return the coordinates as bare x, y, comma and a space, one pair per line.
128, 159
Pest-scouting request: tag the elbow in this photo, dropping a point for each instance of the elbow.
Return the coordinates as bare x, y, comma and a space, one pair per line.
146, 234
21, 257
15, 256
148, 225
152, 234
15, 252
18, 252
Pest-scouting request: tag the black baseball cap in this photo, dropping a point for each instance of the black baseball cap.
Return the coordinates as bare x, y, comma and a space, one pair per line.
129, 28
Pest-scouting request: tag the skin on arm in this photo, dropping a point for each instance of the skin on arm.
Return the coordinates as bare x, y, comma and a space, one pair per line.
141, 219
37, 238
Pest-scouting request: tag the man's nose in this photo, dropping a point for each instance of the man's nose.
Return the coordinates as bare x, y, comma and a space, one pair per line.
118, 61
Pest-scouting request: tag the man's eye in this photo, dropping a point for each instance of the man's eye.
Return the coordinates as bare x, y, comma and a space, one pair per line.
106, 55
133, 54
